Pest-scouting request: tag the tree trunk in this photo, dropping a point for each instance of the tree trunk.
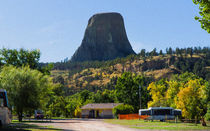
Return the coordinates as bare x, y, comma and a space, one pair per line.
20, 116
203, 122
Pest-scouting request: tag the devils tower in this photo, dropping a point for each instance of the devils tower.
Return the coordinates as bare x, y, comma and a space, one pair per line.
105, 39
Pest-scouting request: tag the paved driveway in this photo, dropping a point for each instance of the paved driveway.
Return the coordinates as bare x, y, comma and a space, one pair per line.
85, 125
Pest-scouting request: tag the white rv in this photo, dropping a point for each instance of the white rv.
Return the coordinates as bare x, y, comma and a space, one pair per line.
160, 113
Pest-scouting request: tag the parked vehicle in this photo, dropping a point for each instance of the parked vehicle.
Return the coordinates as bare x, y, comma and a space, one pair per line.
160, 113
39, 114
5, 113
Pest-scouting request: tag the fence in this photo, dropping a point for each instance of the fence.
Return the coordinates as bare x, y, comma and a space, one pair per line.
131, 116
145, 117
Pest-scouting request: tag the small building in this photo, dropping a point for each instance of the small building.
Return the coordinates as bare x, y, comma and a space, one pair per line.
98, 110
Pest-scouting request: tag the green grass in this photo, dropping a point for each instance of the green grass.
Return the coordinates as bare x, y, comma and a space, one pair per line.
141, 124
24, 126
32, 117
62, 118
31, 121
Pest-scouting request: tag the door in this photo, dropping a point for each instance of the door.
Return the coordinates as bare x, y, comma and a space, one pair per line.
97, 114
92, 114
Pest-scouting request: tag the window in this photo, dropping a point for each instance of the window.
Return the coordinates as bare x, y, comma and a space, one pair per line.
161, 112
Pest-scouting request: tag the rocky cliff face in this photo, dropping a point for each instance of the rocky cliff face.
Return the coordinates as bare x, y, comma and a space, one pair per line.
105, 39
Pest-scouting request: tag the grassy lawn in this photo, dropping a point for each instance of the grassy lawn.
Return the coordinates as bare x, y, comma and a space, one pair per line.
61, 118
141, 124
24, 126
32, 118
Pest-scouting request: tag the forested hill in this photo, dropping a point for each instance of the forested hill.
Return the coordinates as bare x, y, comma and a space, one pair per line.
99, 75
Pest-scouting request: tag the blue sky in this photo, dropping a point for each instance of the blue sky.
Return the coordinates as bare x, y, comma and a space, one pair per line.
57, 27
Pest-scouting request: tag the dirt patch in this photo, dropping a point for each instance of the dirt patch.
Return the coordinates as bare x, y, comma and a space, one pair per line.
84, 125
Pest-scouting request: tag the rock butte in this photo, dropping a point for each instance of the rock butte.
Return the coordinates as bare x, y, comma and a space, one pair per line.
105, 39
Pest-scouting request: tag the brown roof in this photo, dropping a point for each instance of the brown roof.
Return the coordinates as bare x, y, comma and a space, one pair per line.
100, 105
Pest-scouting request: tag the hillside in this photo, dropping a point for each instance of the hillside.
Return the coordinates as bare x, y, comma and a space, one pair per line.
103, 75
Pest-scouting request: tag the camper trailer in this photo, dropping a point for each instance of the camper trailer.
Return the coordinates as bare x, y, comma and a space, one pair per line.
160, 113
5, 113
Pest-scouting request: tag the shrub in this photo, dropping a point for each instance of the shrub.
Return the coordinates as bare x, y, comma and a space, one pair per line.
77, 112
207, 116
122, 109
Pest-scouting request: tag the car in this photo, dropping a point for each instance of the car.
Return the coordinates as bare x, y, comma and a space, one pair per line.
39, 114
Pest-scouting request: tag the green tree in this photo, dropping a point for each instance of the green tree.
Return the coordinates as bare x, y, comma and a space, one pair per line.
59, 106
204, 19
27, 89
154, 52
207, 115
127, 90
170, 51
184, 77
143, 53
171, 93
85, 95
123, 109
178, 52
107, 96
23, 57
161, 52
190, 51
20, 58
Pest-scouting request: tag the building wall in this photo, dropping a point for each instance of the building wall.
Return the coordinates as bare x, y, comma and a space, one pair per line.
103, 113
107, 113
85, 113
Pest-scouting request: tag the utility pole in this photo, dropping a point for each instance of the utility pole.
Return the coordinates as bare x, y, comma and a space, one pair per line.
140, 95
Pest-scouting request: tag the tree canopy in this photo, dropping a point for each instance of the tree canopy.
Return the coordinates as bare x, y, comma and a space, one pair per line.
186, 91
23, 57
204, 19
191, 99
127, 90
27, 89
20, 58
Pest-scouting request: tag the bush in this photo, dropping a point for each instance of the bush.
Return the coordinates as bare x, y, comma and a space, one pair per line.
122, 109
77, 112
207, 116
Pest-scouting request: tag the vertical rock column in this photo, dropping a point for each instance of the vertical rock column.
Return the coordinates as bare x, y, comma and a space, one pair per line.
105, 39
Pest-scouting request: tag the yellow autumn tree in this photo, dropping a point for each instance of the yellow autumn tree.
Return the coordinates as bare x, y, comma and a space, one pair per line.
172, 91
191, 99
158, 92
187, 92
77, 112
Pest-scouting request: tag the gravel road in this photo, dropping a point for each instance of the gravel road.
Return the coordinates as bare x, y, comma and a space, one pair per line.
84, 125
